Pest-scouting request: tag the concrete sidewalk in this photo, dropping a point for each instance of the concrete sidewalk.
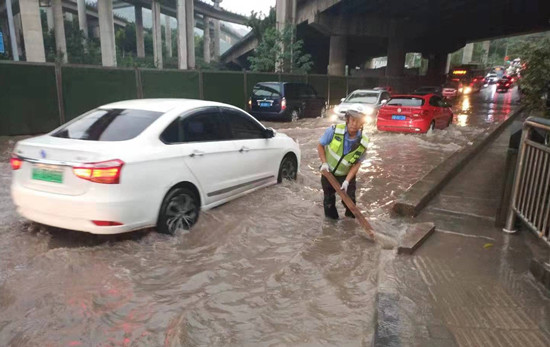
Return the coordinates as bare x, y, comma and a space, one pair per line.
469, 284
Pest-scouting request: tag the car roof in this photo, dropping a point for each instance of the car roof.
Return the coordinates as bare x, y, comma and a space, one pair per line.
161, 105
413, 96
369, 90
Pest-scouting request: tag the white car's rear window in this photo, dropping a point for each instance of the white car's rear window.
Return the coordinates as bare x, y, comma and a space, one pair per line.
406, 102
108, 125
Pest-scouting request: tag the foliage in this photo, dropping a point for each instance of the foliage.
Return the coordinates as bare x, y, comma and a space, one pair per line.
260, 25
535, 78
278, 52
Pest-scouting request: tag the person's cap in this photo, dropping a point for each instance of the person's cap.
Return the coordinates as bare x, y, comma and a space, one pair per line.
356, 111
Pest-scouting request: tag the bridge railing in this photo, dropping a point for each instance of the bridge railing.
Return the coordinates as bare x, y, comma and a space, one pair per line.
530, 200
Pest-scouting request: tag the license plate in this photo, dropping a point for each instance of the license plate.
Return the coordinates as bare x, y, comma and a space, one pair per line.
47, 174
265, 104
398, 117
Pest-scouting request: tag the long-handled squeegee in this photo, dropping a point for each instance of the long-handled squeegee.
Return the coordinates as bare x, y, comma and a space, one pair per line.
386, 242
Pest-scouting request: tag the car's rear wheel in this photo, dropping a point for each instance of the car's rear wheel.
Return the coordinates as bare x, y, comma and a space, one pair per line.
294, 115
450, 121
179, 210
431, 129
288, 169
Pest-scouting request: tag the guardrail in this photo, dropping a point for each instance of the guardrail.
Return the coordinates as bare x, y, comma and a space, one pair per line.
531, 189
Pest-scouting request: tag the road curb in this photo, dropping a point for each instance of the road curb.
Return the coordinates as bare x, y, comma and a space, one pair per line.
420, 194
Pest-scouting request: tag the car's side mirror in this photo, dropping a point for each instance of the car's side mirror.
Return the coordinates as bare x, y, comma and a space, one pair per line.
342, 100
269, 133
383, 102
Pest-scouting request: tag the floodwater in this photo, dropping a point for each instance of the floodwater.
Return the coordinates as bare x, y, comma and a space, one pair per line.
266, 269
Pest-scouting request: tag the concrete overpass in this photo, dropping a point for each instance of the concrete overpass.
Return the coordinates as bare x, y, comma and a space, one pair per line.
349, 32
184, 11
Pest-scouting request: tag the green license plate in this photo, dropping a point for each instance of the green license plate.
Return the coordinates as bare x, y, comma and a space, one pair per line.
48, 175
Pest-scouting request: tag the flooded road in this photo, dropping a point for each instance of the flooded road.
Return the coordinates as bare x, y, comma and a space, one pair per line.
265, 269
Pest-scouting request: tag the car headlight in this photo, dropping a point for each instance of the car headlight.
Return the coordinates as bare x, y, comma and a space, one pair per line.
368, 110
369, 119
337, 109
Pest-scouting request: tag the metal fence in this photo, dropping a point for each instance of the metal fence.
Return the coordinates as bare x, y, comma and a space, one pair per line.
531, 190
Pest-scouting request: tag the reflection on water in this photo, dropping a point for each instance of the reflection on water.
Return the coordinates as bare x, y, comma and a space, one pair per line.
265, 269
462, 120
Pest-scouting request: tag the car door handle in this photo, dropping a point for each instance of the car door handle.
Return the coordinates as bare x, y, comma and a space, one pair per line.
196, 153
244, 149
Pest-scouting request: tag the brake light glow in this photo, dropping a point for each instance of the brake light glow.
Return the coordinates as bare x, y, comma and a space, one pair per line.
283, 104
104, 223
106, 172
15, 162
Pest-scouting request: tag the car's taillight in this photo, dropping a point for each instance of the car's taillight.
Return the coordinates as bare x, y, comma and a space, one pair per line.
250, 103
107, 172
105, 223
15, 162
283, 104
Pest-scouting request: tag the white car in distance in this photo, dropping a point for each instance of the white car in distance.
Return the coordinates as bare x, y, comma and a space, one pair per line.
370, 100
146, 163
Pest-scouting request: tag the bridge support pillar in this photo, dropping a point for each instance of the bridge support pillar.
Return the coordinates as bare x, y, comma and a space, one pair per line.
106, 32
49, 17
157, 34
140, 44
32, 30
216, 37
168, 35
181, 14
337, 55
486, 45
396, 57
82, 19
437, 65
190, 23
206, 40
467, 53
59, 28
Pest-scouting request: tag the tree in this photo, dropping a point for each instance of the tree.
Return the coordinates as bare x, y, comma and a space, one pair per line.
278, 52
260, 25
535, 78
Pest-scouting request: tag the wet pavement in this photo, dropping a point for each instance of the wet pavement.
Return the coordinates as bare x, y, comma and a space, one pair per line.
265, 269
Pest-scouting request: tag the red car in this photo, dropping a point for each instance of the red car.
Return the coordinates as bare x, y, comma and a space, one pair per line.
414, 114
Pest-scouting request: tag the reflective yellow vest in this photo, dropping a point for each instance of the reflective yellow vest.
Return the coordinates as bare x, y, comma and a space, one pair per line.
335, 151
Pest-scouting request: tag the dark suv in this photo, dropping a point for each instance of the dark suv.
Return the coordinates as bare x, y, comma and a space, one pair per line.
285, 101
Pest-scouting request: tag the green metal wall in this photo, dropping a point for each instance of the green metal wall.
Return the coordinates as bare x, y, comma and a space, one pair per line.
30, 102
227, 87
85, 88
170, 84
28, 99
337, 89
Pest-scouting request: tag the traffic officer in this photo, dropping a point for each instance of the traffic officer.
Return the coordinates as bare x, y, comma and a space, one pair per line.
341, 149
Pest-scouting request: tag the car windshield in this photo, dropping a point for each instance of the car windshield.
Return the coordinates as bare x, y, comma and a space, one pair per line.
108, 125
363, 97
406, 101
268, 90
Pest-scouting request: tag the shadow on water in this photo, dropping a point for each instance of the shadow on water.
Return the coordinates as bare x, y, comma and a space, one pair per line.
64, 238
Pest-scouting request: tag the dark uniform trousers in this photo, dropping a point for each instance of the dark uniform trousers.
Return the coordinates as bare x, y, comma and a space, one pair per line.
329, 199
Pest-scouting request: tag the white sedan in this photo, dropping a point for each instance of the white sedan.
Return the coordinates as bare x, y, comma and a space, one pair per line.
146, 163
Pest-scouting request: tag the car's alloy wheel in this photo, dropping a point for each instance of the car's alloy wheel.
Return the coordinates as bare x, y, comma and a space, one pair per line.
179, 211
288, 169
431, 129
